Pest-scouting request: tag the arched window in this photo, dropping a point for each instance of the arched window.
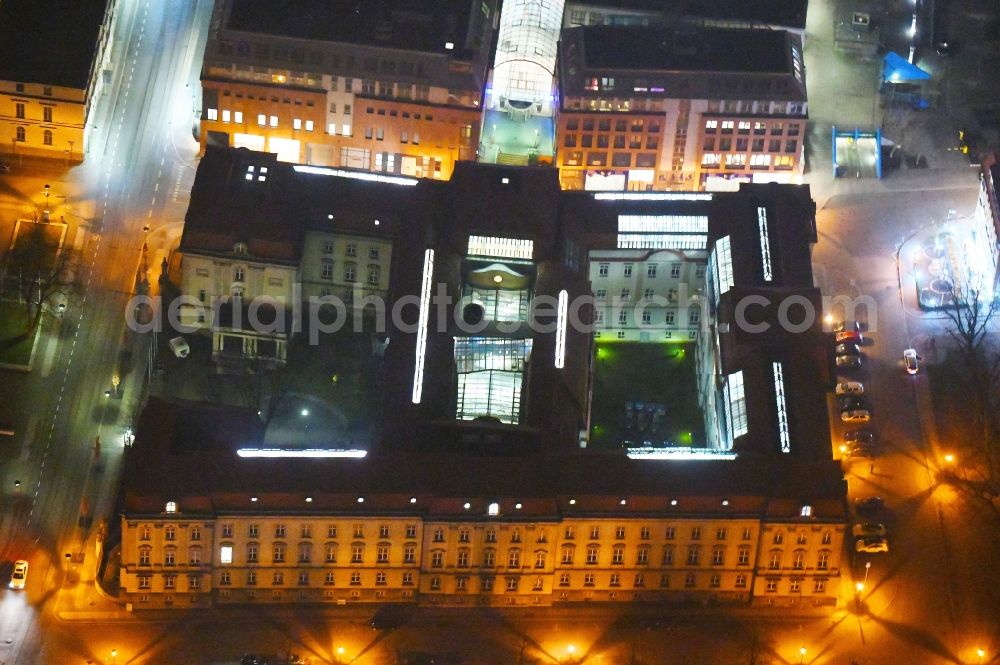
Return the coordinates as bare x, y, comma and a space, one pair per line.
47, 137
171, 507
20, 134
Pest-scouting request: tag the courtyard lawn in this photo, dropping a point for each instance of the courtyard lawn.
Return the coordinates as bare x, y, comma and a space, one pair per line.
659, 380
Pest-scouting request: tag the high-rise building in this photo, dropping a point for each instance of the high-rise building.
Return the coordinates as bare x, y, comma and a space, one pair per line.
389, 85
54, 63
679, 108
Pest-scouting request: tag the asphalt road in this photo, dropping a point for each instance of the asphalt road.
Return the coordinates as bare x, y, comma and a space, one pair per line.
137, 172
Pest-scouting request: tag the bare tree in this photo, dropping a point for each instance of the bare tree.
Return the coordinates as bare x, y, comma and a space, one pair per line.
979, 475
39, 271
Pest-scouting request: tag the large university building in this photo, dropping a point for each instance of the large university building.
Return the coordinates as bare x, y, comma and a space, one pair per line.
54, 62
204, 525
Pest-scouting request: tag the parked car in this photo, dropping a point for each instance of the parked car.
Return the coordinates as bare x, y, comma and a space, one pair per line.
849, 336
911, 361
871, 545
859, 436
20, 574
855, 416
850, 388
851, 403
868, 506
868, 530
849, 362
847, 349
180, 347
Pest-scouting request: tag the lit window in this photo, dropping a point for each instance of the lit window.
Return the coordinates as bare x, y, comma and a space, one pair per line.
238, 116
723, 259
494, 509
226, 115
765, 242
213, 114
345, 130
226, 554
331, 128
261, 119
309, 125
736, 405
807, 511
274, 121
779, 396
171, 507
509, 248
296, 123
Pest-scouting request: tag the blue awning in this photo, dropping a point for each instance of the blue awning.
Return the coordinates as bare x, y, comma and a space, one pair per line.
896, 68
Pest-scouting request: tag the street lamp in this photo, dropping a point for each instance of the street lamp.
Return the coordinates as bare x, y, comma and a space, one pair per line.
949, 458
981, 653
868, 566
114, 657
340, 654
46, 203
802, 654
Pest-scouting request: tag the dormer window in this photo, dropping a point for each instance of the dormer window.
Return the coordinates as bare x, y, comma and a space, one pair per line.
171, 507
240, 248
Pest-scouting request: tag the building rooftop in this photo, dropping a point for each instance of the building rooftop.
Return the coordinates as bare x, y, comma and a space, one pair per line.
185, 452
686, 50
51, 42
784, 13
417, 25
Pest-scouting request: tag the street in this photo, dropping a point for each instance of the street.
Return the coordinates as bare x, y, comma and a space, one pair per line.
138, 170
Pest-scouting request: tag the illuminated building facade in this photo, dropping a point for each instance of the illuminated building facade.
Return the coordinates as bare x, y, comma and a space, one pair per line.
525, 62
983, 249
394, 87
51, 73
457, 530
688, 108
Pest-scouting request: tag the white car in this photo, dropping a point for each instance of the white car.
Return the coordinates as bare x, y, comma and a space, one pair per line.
180, 347
20, 574
850, 388
855, 416
911, 361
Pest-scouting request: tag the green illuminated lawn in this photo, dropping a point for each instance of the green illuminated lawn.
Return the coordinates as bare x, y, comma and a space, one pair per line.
650, 373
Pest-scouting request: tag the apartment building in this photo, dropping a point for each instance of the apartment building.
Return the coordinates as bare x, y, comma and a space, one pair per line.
454, 530
983, 249
394, 87
51, 73
685, 108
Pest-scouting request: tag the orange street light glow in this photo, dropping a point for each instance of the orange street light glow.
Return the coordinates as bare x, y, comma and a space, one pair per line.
949, 458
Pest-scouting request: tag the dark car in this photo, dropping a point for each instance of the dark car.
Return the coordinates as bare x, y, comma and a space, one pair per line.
849, 362
850, 403
869, 506
848, 349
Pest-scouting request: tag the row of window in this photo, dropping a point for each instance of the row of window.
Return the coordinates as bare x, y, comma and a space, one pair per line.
351, 272
21, 135
489, 556
714, 160
512, 583
618, 142
621, 159
20, 111
652, 270
669, 318
742, 145
439, 534
46, 90
744, 127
